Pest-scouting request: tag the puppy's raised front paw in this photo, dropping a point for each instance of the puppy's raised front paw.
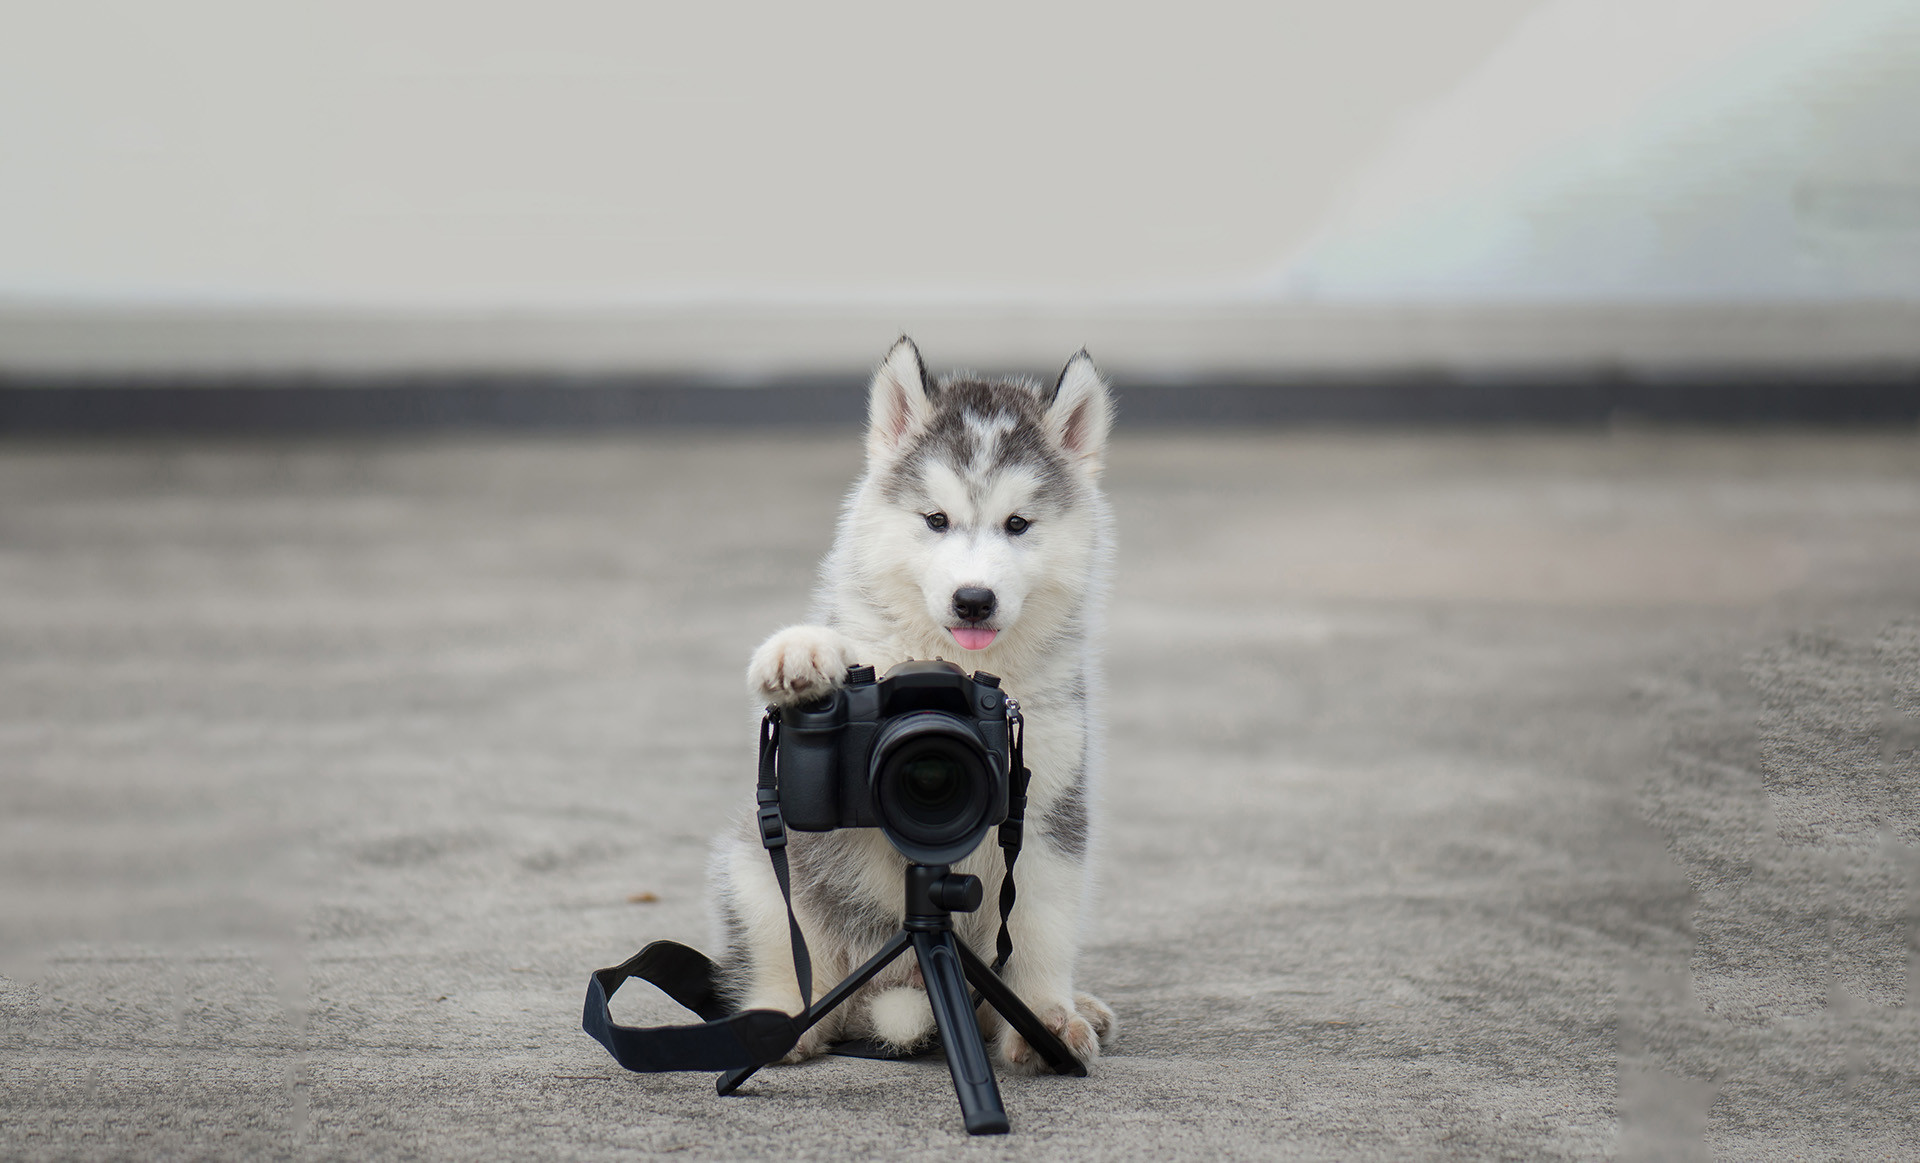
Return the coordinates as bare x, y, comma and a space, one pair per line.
799, 664
1068, 1024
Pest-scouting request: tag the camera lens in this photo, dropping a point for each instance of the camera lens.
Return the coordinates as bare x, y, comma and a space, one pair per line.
930, 787
934, 787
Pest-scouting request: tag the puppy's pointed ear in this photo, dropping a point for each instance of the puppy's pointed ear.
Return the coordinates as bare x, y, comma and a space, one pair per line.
1081, 411
899, 403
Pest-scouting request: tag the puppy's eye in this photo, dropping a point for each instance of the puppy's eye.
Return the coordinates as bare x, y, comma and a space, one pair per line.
1017, 525
937, 522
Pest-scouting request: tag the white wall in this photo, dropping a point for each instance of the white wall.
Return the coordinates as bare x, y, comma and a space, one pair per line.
1634, 150
600, 151
351, 184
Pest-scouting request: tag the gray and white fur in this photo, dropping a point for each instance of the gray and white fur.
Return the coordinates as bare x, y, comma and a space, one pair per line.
979, 520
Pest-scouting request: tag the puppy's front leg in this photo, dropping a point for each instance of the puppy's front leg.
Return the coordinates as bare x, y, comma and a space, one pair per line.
1046, 941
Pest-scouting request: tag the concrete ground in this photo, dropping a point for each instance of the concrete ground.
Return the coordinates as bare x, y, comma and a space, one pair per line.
1473, 796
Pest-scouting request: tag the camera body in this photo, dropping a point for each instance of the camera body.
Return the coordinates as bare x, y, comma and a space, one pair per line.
922, 754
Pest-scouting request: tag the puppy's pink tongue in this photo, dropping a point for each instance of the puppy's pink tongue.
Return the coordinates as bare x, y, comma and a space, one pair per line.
972, 638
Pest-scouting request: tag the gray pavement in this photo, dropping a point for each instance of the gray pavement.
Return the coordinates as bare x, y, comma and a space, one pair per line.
1471, 796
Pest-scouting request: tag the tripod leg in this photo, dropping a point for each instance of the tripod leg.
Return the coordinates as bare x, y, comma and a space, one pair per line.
731, 1080
973, 1083
1019, 1016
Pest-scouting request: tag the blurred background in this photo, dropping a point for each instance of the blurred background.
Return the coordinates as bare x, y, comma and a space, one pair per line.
1254, 192
412, 415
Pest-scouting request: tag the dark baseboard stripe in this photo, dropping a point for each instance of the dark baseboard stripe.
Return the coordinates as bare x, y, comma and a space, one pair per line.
286, 405
415, 405
1835, 397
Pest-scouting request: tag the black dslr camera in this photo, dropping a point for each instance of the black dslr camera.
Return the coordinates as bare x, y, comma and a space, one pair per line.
922, 754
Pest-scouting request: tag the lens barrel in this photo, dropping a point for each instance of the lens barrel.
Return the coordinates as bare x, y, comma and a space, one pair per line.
932, 784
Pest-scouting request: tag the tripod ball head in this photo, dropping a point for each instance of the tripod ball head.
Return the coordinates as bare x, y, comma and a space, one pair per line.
958, 892
934, 894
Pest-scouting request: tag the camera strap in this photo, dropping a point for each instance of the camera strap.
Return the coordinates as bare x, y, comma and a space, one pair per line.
1013, 828
729, 1041
724, 1041
773, 835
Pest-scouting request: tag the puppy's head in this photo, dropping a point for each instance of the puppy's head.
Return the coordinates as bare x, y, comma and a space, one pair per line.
979, 526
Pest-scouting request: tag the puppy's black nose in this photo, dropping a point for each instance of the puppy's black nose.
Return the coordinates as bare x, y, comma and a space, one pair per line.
973, 603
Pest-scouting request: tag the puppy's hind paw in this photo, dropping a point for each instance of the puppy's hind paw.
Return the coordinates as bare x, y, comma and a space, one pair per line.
1066, 1023
1098, 1015
799, 664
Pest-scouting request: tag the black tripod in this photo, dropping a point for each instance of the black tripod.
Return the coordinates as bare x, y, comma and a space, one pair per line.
934, 894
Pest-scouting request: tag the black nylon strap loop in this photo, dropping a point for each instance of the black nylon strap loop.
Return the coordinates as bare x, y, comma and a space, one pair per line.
722, 1042
1013, 830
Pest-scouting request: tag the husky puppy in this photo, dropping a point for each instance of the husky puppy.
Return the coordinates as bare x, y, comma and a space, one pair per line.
978, 534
